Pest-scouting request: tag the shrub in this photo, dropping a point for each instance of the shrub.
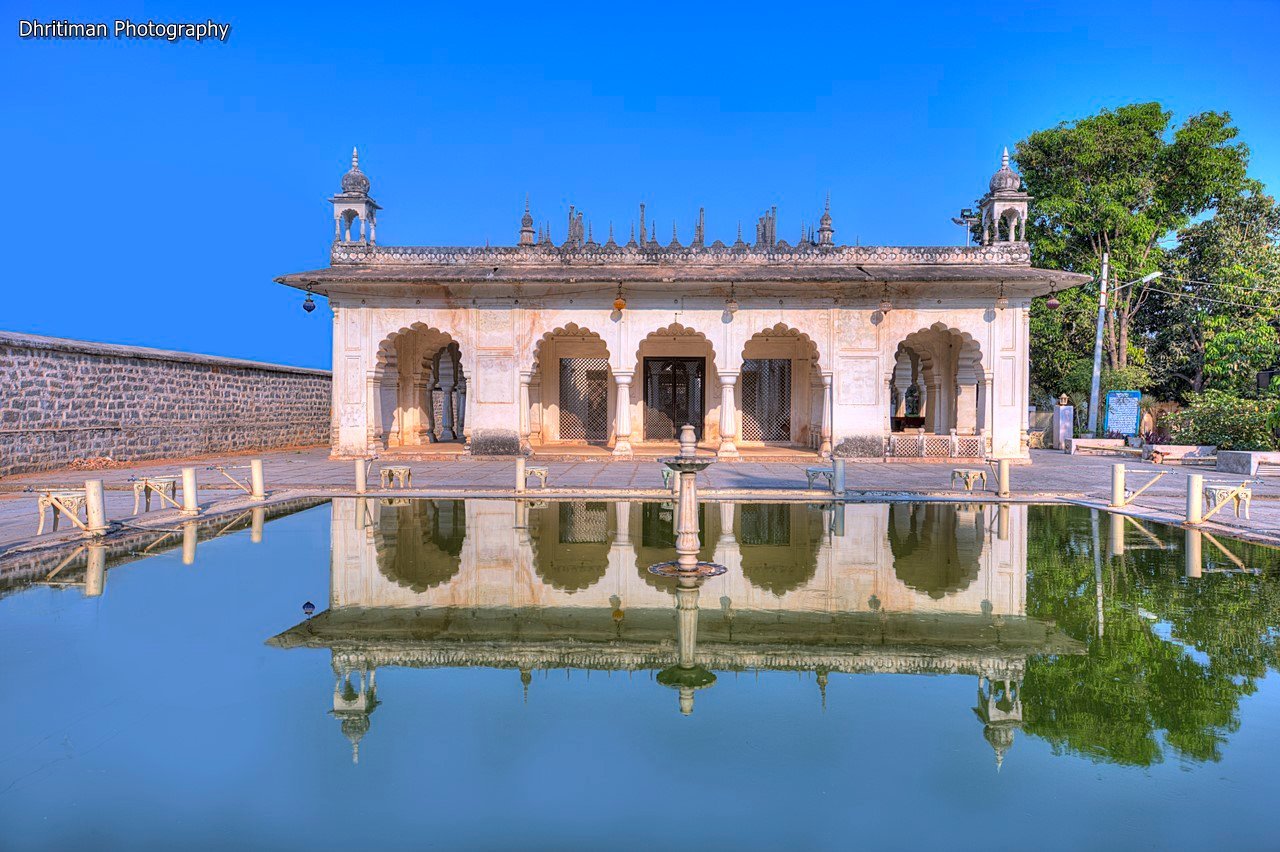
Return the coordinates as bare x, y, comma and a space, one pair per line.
1226, 421
860, 447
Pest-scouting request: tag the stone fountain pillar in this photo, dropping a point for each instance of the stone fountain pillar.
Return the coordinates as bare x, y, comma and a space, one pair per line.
686, 675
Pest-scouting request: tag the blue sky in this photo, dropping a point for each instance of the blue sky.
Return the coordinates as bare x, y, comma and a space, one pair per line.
156, 189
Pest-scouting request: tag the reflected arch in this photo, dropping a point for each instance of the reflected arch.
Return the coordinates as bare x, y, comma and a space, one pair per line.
571, 541
937, 547
779, 544
418, 543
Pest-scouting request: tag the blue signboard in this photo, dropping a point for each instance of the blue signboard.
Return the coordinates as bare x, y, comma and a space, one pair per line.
1123, 414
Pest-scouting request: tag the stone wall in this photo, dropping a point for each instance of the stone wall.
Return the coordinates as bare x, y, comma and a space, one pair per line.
62, 400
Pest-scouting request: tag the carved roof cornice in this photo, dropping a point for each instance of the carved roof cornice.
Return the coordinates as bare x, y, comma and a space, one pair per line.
715, 255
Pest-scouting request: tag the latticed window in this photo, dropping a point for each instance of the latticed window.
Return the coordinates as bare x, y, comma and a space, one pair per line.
584, 523
584, 399
766, 399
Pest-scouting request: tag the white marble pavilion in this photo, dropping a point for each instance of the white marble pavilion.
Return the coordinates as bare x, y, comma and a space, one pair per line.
859, 351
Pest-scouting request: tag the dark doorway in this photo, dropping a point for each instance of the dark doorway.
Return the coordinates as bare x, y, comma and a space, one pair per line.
674, 394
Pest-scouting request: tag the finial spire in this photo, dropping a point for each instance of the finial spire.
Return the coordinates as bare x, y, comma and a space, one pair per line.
355, 158
1004, 158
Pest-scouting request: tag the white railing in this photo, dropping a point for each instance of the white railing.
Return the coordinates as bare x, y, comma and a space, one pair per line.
925, 445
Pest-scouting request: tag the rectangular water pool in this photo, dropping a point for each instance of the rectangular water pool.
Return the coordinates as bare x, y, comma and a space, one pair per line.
403, 673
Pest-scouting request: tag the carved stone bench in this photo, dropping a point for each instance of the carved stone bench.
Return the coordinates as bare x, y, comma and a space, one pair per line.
815, 473
1241, 494
163, 485
970, 475
399, 473
60, 500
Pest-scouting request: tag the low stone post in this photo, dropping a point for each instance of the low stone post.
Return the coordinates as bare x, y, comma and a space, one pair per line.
1002, 522
362, 476
257, 518
95, 507
1002, 477
837, 477
520, 480
1117, 485
1195, 498
190, 500
258, 483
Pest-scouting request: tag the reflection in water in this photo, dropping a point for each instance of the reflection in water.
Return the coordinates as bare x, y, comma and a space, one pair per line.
571, 543
937, 547
779, 544
1126, 642
418, 542
840, 588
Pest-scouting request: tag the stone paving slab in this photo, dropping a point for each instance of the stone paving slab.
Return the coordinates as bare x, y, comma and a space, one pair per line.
1051, 476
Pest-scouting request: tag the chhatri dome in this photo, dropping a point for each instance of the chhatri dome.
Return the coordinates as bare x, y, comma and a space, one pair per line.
355, 181
1005, 180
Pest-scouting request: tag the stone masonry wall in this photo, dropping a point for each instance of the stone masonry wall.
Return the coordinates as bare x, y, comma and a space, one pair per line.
62, 400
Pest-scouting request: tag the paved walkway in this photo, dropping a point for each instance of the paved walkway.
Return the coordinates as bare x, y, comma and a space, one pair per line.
294, 473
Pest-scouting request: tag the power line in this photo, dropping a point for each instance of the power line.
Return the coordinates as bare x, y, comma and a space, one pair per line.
1210, 299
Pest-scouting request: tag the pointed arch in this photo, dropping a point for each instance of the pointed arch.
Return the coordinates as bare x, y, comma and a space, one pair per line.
677, 330
571, 331
406, 405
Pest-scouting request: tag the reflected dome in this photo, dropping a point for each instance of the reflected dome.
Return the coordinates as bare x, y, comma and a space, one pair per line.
936, 547
419, 542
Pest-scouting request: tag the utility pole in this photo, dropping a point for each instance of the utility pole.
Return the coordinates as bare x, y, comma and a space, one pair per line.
1095, 387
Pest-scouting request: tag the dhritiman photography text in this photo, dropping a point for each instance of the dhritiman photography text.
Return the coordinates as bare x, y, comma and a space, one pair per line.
171, 31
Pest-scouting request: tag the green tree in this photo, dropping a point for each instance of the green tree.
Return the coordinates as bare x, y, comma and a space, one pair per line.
1214, 322
1118, 182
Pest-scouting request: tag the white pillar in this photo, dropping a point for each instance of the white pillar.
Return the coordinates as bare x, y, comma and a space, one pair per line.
190, 502
525, 378
825, 449
95, 507
728, 416
967, 408
622, 414
258, 481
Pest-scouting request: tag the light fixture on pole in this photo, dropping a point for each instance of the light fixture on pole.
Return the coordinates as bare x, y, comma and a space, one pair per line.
1095, 386
966, 219
885, 304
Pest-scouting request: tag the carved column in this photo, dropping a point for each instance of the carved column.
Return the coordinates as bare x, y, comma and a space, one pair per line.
827, 401
933, 405
728, 416
622, 414
525, 377
967, 407
446, 412
462, 406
